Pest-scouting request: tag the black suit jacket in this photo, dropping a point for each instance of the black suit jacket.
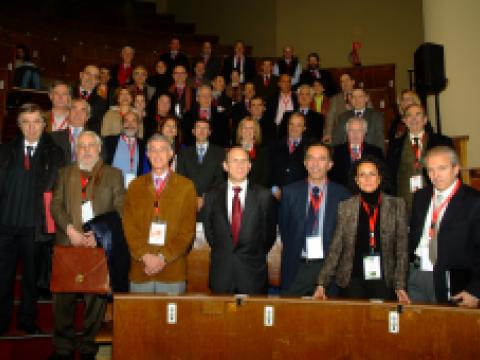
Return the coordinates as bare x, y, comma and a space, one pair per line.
49, 159
287, 168
98, 108
458, 240
260, 171
241, 268
110, 147
314, 123
213, 67
292, 222
396, 147
62, 139
265, 91
271, 113
342, 161
249, 68
180, 59
219, 125
306, 77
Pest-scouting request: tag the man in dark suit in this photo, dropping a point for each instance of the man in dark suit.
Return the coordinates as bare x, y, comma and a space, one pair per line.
266, 83
89, 79
202, 162
285, 100
126, 151
244, 64
288, 64
212, 63
313, 72
76, 120
240, 227
375, 133
121, 74
287, 156
203, 109
307, 204
445, 235
241, 109
267, 126
405, 153
355, 148
314, 121
174, 57
28, 167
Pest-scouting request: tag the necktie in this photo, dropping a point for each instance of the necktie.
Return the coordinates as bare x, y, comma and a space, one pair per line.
157, 183
292, 145
204, 114
84, 94
201, 153
416, 152
27, 159
312, 214
358, 114
236, 214
432, 246
266, 81
356, 153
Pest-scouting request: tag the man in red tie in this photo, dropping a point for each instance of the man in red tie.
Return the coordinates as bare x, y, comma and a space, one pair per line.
239, 223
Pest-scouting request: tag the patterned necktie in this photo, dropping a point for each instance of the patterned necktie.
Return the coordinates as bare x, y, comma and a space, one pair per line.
236, 214
432, 245
201, 153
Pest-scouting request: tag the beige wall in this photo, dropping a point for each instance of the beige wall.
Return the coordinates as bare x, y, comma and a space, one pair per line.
250, 20
389, 31
455, 25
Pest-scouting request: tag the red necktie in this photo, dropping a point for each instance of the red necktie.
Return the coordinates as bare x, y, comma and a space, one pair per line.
236, 214
27, 157
266, 81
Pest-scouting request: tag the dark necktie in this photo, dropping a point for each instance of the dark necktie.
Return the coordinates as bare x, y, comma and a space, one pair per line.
236, 214
358, 114
201, 153
27, 159
312, 213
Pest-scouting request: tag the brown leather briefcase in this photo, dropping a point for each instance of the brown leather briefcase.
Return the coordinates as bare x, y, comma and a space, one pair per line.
79, 270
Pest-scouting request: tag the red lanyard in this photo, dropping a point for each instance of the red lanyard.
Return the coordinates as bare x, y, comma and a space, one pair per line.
316, 202
372, 219
285, 100
62, 124
437, 210
356, 156
84, 180
131, 150
158, 192
417, 151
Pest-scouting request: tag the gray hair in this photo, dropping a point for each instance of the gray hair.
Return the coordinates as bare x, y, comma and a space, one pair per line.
305, 86
358, 119
56, 83
158, 137
97, 138
443, 150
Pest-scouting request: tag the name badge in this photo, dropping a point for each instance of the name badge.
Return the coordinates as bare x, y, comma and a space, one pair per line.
128, 179
158, 233
424, 254
87, 212
314, 247
371, 267
416, 182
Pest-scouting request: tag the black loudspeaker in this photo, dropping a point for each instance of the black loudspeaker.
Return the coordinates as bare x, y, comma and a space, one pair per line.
429, 62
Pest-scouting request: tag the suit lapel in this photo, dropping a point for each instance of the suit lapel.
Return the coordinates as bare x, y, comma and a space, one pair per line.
248, 210
222, 204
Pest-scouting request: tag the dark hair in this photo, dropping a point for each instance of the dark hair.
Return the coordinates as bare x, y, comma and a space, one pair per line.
119, 89
178, 138
26, 52
29, 108
199, 120
383, 171
313, 54
314, 143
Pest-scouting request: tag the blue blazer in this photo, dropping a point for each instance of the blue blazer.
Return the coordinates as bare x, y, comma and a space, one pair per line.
292, 221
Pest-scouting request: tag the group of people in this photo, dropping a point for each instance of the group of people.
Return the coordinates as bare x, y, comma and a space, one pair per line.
310, 161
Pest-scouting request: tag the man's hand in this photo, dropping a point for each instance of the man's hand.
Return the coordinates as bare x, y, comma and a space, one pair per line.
320, 293
153, 264
466, 299
199, 203
278, 194
402, 296
76, 238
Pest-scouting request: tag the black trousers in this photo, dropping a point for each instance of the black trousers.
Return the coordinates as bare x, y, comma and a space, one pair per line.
18, 244
358, 288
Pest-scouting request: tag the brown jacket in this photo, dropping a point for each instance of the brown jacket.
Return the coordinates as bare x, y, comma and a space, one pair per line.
105, 190
178, 208
393, 237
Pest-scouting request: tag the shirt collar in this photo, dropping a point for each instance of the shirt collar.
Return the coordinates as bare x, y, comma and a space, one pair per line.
243, 185
322, 187
419, 136
445, 193
161, 177
26, 143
